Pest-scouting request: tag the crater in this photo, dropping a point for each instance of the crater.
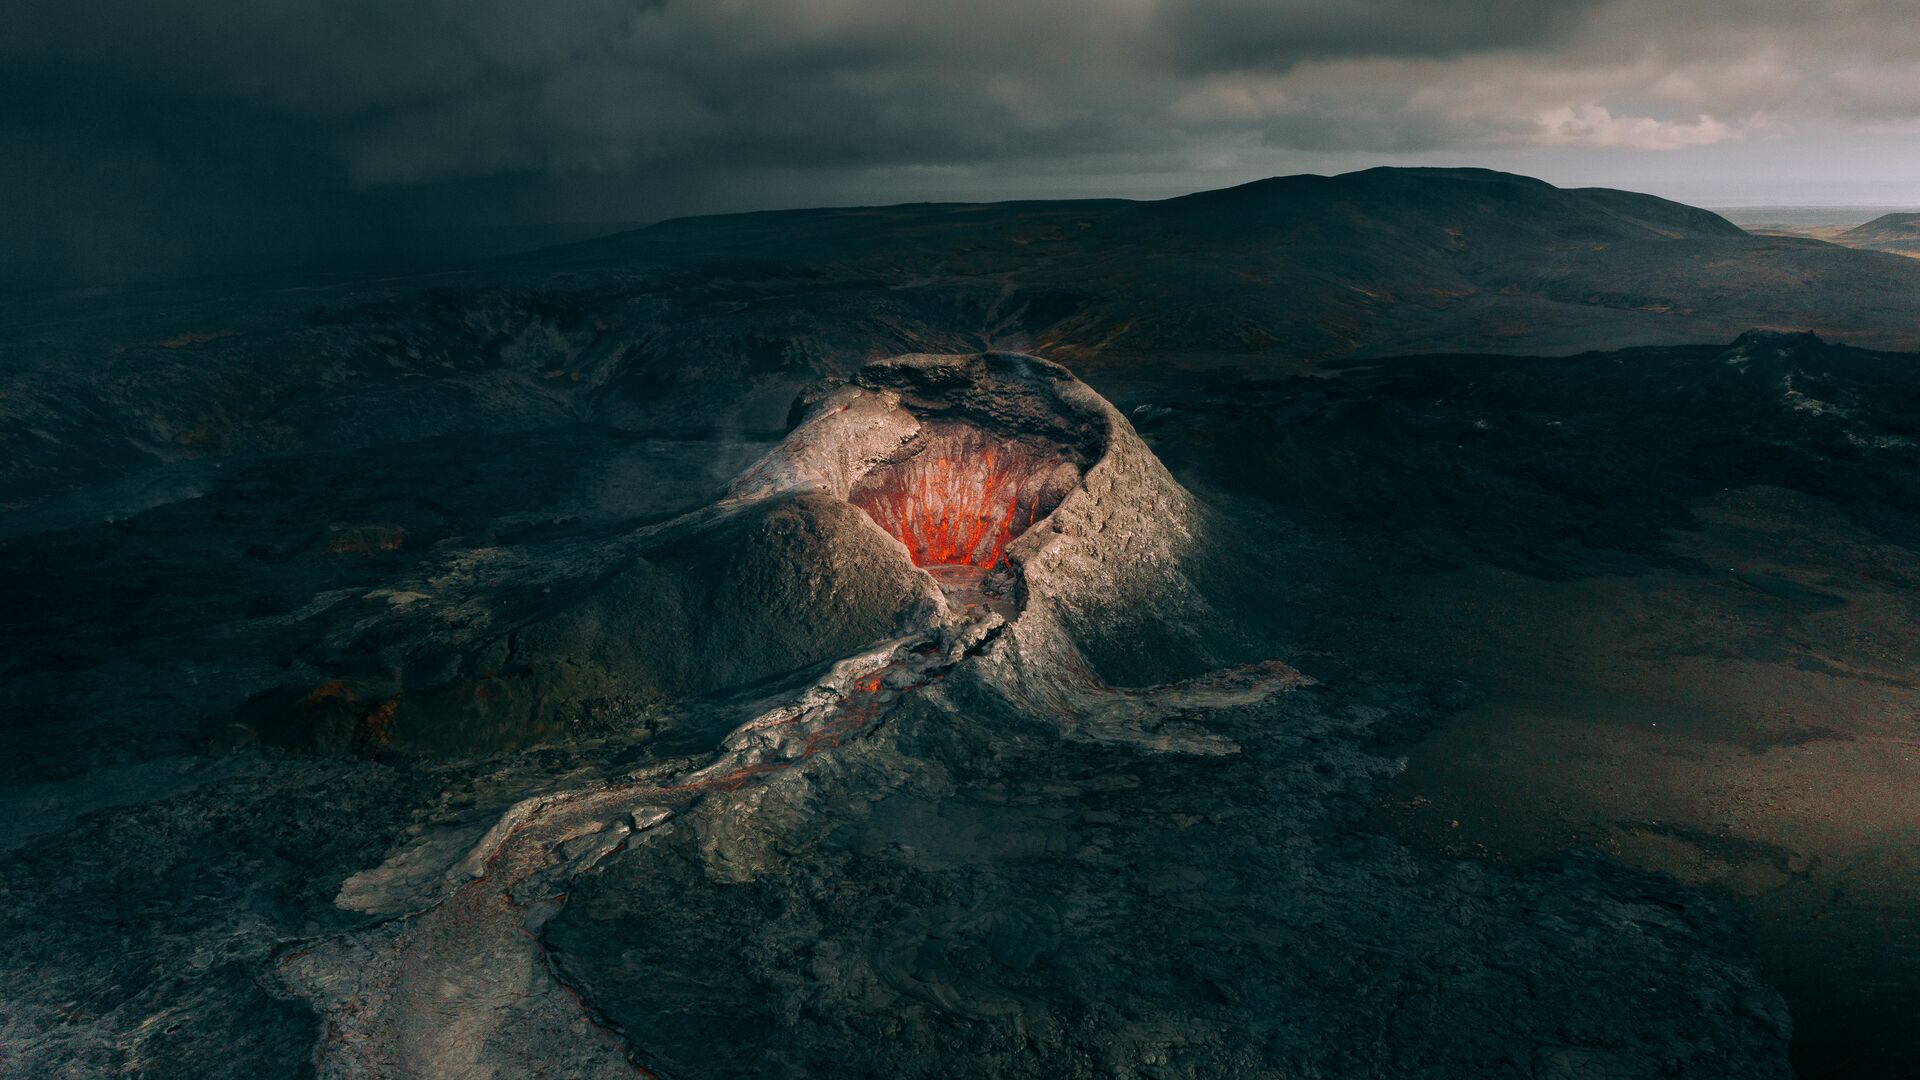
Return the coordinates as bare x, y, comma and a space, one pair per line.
960, 495
988, 447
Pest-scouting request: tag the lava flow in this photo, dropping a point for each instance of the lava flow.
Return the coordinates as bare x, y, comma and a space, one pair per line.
959, 502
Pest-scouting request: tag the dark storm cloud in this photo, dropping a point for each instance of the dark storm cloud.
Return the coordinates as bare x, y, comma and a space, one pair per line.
403, 92
170, 134
1214, 34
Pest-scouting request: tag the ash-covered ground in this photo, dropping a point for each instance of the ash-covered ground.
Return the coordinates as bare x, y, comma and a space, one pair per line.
649, 672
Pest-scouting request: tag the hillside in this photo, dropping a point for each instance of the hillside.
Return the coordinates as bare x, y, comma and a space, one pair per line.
1888, 232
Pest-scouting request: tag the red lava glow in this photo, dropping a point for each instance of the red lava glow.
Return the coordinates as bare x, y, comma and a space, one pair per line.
959, 502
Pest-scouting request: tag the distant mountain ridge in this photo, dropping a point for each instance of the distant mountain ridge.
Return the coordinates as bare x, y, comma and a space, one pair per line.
726, 318
1317, 267
1409, 196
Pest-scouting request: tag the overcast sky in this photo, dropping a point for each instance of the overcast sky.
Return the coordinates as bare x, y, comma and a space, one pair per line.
149, 137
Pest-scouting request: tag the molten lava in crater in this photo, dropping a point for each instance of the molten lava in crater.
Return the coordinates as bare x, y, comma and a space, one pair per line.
963, 497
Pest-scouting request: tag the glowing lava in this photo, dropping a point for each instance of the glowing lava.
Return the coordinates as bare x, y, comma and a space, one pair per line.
960, 501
